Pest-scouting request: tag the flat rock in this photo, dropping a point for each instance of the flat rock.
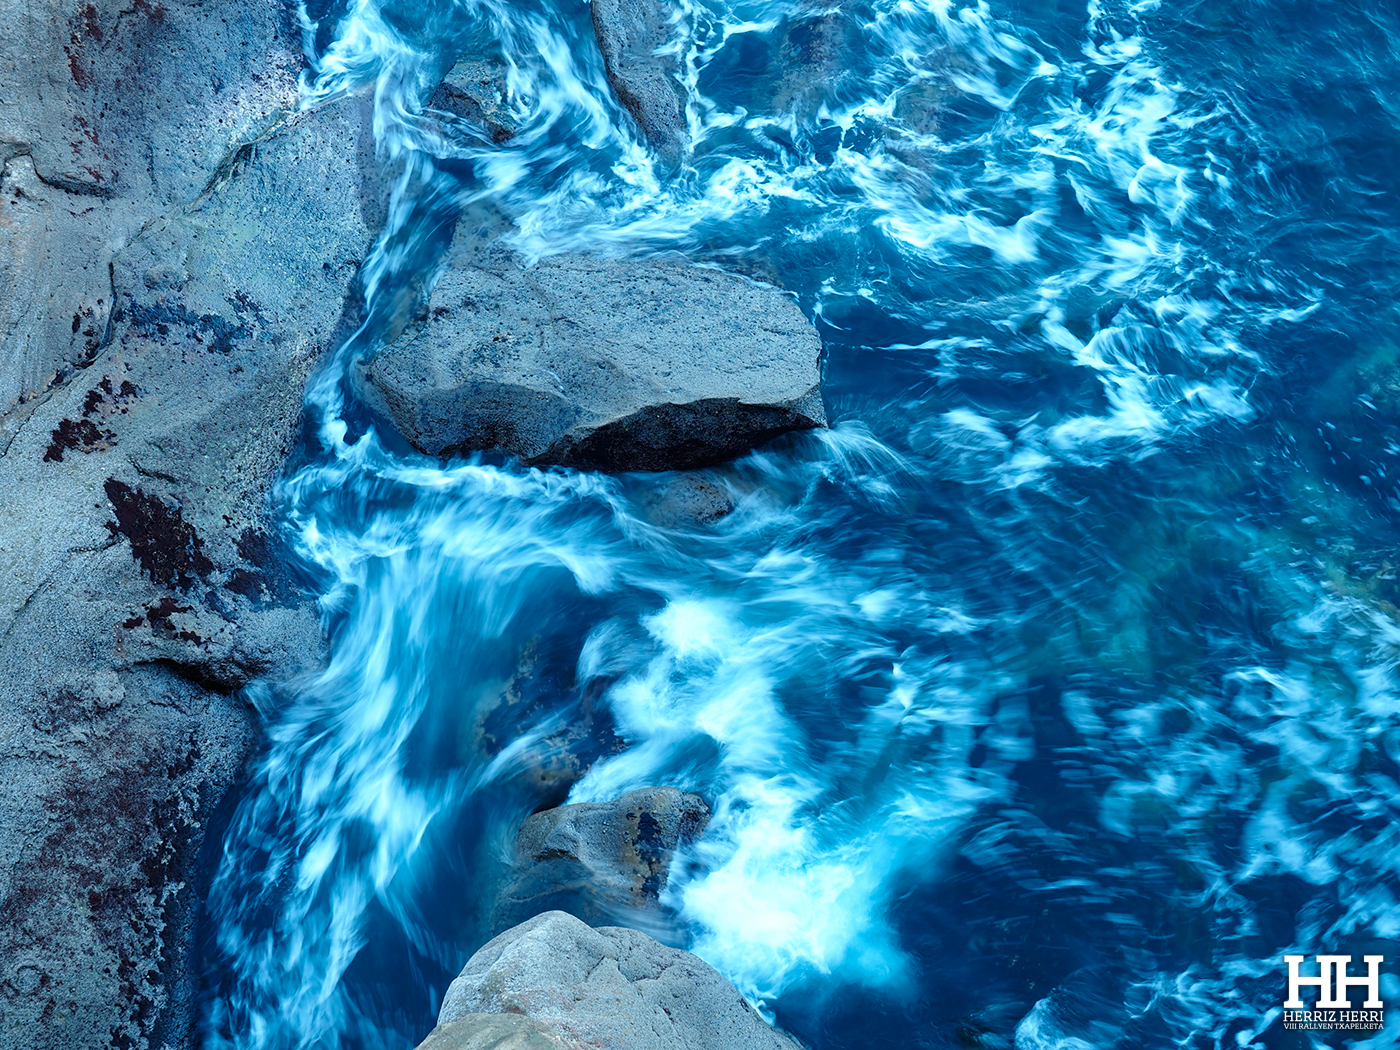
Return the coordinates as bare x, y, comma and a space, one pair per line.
599, 861
141, 586
641, 58
599, 364
609, 988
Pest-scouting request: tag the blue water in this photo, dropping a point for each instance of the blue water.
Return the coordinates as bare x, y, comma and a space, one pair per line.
1046, 700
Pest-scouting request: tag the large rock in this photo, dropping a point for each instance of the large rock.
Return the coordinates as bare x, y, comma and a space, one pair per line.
641, 57
601, 989
599, 861
596, 363
140, 586
112, 114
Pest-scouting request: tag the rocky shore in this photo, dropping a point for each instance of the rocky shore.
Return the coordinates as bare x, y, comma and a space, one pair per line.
179, 251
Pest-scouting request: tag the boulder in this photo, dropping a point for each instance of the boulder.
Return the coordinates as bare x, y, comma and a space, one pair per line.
599, 364
642, 59
140, 585
610, 988
599, 860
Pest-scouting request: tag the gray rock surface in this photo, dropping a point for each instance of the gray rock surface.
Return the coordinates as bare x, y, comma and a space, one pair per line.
606, 989
139, 585
111, 114
600, 364
599, 861
639, 42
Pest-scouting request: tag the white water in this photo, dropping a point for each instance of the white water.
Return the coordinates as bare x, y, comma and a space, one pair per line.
834, 665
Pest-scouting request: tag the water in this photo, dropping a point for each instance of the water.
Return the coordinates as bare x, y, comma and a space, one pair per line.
1047, 699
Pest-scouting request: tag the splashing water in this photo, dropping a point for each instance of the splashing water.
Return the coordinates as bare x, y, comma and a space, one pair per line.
1048, 698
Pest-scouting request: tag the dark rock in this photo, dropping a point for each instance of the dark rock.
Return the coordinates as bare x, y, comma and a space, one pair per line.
600, 364
167, 547
599, 861
684, 501
630, 34
609, 987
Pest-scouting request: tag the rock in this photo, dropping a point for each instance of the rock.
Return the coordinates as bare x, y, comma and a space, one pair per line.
140, 587
494, 1032
599, 861
684, 501
599, 364
112, 114
475, 89
637, 39
610, 987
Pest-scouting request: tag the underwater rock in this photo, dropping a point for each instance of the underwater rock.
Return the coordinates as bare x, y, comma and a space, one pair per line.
140, 587
599, 860
599, 364
636, 37
606, 987
684, 502
495, 1032
475, 89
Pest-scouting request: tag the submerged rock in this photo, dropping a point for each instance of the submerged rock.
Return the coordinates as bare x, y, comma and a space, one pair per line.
495, 1032
637, 40
475, 89
599, 860
595, 363
608, 987
140, 587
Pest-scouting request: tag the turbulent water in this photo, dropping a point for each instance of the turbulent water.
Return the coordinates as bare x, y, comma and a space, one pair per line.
1047, 699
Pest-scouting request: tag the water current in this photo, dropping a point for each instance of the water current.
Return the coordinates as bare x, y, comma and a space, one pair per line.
1045, 700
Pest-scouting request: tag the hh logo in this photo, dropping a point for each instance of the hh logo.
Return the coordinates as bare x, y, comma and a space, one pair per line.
1332, 982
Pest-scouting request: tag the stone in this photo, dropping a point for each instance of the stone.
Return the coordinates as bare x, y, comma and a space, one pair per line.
494, 1032
110, 115
641, 56
141, 584
475, 90
141, 101
608, 987
599, 861
599, 364
684, 501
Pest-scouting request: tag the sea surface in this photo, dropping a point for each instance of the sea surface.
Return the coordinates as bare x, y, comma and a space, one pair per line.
1048, 698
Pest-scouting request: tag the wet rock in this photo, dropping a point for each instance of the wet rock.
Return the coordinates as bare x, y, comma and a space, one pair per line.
140, 588
495, 1032
599, 364
607, 987
641, 57
475, 89
684, 501
599, 861
511, 714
